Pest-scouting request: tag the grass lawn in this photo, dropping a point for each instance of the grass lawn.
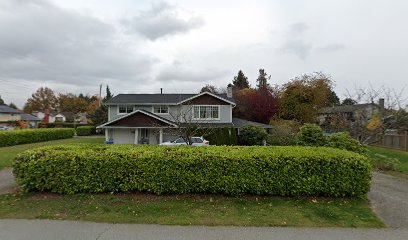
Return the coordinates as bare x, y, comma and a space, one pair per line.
401, 156
191, 210
8, 153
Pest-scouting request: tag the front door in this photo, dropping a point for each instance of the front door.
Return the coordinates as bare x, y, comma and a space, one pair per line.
144, 136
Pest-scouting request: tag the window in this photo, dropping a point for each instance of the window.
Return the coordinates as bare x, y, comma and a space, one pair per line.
196, 140
59, 119
161, 109
124, 110
206, 112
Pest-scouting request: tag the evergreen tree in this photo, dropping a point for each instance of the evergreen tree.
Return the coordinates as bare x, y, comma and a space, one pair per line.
100, 115
334, 99
262, 80
1, 101
12, 105
109, 95
240, 81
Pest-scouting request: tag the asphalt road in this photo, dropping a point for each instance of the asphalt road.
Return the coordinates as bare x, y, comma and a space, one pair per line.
389, 198
55, 230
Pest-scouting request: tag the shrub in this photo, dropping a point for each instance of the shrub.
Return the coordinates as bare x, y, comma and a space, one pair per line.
85, 130
343, 141
15, 137
252, 135
282, 127
281, 171
311, 135
288, 140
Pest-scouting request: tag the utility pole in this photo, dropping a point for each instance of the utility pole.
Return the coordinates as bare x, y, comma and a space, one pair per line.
100, 94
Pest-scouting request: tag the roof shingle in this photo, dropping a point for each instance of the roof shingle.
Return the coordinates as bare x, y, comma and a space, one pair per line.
170, 98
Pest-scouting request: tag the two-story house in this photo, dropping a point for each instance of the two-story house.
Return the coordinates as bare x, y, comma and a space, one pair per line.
149, 118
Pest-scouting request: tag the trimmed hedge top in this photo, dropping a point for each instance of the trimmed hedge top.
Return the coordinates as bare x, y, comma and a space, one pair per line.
15, 137
281, 171
85, 130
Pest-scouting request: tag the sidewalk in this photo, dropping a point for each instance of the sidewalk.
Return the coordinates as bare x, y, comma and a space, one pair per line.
55, 230
7, 183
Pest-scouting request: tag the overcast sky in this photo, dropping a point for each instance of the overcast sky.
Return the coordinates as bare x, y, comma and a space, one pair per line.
181, 45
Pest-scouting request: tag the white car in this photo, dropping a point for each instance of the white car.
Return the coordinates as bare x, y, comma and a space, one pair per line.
196, 141
5, 128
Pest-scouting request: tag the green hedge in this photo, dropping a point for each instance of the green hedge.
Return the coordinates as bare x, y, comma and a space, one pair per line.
281, 171
85, 130
15, 137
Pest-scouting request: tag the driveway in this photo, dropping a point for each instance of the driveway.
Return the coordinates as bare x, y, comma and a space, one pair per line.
7, 183
389, 198
53, 230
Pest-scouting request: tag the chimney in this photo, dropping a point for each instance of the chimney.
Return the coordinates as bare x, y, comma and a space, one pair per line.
381, 103
229, 92
161, 90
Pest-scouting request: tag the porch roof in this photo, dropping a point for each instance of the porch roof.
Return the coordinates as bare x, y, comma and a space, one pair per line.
138, 118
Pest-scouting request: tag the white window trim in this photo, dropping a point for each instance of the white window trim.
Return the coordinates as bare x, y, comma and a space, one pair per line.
207, 119
126, 106
168, 110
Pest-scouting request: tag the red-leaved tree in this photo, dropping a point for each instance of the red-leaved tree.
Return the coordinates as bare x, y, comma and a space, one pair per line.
257, 105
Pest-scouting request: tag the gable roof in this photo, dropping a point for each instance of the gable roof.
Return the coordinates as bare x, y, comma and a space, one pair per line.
29, 117
207, 93
238, 123
155, 99
134, 112
7, 109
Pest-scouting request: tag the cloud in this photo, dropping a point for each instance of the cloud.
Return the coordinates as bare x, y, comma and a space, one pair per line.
299, 48
294, 41
44, 43
332, 47
162, 20
179, 72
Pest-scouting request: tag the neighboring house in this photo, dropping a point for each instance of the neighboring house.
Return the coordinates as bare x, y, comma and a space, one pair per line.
349, 114
149, 118
32, 120
59, 117
9, 115
53, 116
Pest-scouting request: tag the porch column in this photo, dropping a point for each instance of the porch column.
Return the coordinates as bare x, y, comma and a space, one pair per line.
106, 134
136, 136
161, 136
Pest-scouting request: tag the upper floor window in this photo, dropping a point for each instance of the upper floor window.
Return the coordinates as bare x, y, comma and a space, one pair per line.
125, 109
206, 112
161, 109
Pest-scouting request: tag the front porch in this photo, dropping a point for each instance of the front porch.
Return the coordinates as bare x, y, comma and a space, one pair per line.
138, 127
136, 135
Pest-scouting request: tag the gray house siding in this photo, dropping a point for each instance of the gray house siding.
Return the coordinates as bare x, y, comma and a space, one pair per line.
114, 113
174, 111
